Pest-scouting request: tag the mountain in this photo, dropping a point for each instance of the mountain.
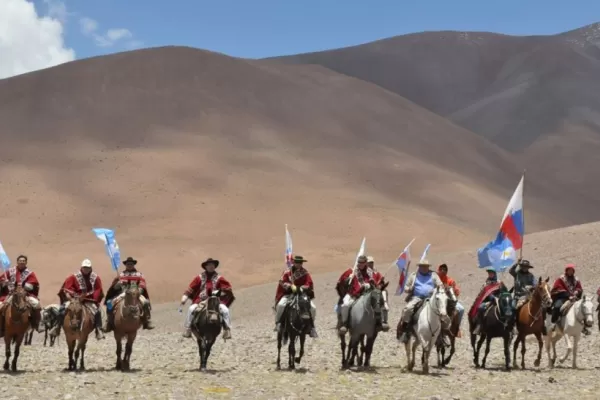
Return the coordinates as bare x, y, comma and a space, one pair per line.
190, 154
537, 97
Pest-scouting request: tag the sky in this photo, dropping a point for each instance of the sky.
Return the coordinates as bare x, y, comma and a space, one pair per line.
36, 34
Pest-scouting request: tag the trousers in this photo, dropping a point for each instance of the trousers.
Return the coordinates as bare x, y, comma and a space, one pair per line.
142, 298
461, 311
410, 307
33, 302
280, 307
223, 310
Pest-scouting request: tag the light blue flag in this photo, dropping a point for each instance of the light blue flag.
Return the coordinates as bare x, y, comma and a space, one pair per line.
4, 258
110, 243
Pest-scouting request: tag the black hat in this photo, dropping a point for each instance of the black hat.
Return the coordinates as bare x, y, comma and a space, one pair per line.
299, 259
526, 264
210, 261
130, 260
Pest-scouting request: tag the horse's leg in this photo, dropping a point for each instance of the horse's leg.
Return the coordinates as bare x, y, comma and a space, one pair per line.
575, 345
415, 344
488, 340
506, 339
523, 351
515, 347
71, 343
548, 344
302, 340
452, 350
537, 361
361, 356
45, 336
279, 340
7, 340
479, 344
475, 350
119, 351
18, 342
562, 360
369, 349
343, 347
292, 352
200, 342
208, 347
82, 345
129, 349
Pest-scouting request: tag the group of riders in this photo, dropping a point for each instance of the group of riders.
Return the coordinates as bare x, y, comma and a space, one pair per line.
419, 286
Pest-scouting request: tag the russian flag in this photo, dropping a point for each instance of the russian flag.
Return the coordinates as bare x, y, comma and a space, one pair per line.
501, 253
403, 264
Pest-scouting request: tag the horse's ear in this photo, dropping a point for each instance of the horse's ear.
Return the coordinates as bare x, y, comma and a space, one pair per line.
540, 281
547, 279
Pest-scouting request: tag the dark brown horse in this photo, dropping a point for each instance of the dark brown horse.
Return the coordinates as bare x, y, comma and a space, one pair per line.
78, 324
16, 324
295, 324
206, 326
127, 317
530, 321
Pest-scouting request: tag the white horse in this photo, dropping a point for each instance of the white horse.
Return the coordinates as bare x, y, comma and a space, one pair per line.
428, 328
570, 325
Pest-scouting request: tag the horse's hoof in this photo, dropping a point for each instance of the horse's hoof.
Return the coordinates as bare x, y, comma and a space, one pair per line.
536, 363
297, 359
425, 370
6, 367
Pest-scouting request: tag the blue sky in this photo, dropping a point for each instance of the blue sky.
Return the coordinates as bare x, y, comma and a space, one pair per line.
263, 28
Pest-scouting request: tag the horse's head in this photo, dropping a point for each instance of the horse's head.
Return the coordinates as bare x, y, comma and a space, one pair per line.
376, 299
213, 301
542, 291
439, 302
452, 299
75, 312
586, 309
505, 304
19, 300
131, 302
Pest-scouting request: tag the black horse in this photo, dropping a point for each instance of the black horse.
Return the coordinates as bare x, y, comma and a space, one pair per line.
498, 321
206, 326
295, 323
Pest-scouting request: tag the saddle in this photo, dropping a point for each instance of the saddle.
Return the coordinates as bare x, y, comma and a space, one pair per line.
213, 316
567, 305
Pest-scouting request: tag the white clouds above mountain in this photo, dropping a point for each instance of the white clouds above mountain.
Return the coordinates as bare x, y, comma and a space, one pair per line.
113, 36
30, 41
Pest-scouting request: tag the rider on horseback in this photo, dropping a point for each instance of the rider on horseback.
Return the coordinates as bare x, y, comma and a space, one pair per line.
21, 275
379, 280
566, 288
449, 282
419, 286
294, 278
355, 283
199, 289
131, 276
524, 283
88, 285
488, 293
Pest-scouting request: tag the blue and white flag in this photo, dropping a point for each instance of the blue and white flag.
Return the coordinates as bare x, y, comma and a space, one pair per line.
110, 243
424, 255
4, 258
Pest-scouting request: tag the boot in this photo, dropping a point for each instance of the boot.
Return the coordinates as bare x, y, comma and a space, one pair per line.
148, 317
110, 321
313, 330
384, 321
226, 333
343, 326
405, 332
98, 325
478, 323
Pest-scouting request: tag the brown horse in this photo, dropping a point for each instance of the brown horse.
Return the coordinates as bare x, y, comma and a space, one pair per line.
530, 321
78, 324
127, 321
16, 324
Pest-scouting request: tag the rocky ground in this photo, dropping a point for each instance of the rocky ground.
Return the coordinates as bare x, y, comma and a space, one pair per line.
166, 365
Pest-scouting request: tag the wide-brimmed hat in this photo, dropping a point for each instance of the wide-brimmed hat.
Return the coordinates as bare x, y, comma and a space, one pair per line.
424, 263
370, 259
491, 269
525, 264
86, 263
210, 261
299, 259
130, 260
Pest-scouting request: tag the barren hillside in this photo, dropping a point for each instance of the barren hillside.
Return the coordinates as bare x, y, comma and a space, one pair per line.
536, 96
165, 365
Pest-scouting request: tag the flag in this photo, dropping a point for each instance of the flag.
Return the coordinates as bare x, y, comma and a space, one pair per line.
4, 258
501, 252
288, 248
403, 264
361, 251
424, 255
110, 243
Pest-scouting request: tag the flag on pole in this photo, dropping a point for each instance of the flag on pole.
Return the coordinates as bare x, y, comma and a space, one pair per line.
288, 248
361, 251
110, 243
403, 264
4, 258
501, 252
424, 255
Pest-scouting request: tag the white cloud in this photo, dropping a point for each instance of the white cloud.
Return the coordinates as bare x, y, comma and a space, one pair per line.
28, 41
57, 9
89, 27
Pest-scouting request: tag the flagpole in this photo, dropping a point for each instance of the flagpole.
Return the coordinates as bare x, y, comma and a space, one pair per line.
523, 213
393, 264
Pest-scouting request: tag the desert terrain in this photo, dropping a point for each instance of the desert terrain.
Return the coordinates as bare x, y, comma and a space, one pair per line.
165, 365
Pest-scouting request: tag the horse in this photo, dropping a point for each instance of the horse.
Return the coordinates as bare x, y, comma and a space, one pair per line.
362, 324
295, 324
497, 322
580, 314
530, 320
127, 320
16, 324
450, 333
206, 325
49, 320
78, 324
431, 316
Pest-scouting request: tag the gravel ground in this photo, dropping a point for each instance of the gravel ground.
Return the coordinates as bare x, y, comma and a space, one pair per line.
165, 366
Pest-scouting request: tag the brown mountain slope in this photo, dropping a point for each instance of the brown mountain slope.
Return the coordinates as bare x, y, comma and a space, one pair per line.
190, 154
522, 93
